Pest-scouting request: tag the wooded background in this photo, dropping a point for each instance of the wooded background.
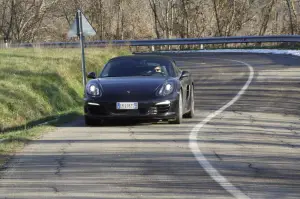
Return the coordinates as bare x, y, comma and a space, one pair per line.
49, 20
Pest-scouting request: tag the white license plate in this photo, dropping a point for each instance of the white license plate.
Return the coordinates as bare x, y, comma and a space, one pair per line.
127, 105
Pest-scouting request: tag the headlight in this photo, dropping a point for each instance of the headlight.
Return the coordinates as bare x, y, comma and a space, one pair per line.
93, 89
166, 89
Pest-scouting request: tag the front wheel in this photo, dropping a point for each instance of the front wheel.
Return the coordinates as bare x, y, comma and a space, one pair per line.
191, 113
178, 119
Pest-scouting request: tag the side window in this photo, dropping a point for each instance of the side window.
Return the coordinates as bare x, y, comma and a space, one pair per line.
177, 70
104, 71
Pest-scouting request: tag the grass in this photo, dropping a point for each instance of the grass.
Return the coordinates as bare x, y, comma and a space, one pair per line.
37, 85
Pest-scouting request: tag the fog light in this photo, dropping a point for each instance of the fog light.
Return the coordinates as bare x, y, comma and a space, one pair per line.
153, 110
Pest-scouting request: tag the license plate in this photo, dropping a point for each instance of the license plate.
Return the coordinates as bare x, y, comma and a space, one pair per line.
127, 105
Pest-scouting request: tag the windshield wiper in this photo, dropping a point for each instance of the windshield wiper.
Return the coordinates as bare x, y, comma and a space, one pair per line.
145, 75
109, 76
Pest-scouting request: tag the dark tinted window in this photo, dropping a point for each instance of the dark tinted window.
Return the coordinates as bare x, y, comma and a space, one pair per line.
137, 66
177, 70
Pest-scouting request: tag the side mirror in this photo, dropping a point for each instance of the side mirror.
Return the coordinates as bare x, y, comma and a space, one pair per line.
91, 75
184, 74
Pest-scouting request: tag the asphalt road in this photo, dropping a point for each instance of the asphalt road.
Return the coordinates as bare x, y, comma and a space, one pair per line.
253, 144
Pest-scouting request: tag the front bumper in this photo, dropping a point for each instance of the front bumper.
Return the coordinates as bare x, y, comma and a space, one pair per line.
156, 109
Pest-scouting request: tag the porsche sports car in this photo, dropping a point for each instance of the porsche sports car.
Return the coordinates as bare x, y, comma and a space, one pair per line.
139, 87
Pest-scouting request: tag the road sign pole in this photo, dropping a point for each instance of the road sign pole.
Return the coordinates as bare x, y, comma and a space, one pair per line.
81, 28
79, 14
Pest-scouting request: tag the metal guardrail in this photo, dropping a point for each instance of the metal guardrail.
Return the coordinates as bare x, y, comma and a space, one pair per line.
159, 42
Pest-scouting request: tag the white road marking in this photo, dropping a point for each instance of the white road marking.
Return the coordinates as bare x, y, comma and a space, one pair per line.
193, 142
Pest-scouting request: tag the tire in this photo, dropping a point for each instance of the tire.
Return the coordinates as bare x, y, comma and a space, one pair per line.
191, 113
89, 121
178, 119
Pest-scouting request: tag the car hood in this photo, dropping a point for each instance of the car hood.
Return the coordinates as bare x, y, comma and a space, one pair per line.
130, 88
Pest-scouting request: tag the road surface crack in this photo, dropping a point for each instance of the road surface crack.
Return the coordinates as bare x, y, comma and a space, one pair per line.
250, 165
291, 128
55, 189
218, 156
252, 119
131, 133
236, 112
60, 162
288, 144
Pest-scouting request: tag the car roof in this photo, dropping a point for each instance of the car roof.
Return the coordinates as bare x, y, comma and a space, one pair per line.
154, 57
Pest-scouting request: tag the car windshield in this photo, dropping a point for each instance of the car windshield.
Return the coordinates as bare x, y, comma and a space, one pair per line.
127, 67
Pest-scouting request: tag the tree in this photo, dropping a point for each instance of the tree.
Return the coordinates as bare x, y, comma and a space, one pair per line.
49, 20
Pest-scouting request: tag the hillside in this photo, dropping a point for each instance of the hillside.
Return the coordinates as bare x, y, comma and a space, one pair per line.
36, 84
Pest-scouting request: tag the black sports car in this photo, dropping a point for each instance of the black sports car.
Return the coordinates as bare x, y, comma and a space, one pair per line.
148, 87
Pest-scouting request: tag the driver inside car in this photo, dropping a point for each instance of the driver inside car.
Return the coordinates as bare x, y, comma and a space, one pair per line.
157, 69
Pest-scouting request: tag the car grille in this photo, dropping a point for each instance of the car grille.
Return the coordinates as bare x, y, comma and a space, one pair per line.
110, 108
162, 108
158, 109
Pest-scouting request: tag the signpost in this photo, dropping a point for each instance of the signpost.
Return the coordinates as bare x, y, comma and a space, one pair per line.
81, 28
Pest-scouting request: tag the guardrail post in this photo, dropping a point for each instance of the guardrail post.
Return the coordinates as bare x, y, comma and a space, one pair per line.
6, 43
152, 48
